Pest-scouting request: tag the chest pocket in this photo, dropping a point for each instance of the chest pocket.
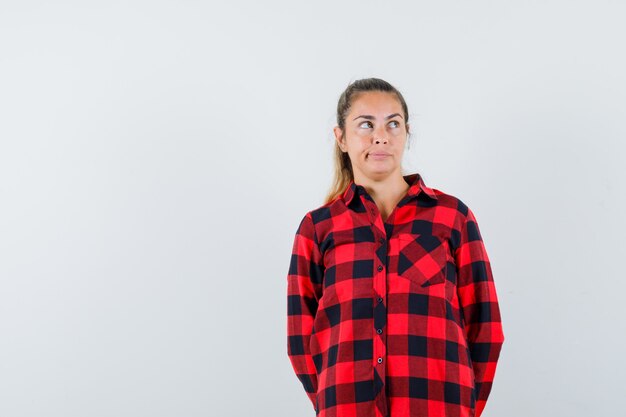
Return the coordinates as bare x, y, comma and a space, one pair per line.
422, 258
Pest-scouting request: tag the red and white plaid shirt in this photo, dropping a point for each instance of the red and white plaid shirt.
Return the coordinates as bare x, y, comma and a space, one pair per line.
394, 318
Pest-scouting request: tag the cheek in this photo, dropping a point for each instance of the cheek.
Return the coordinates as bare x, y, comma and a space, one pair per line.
360, 134
359, 144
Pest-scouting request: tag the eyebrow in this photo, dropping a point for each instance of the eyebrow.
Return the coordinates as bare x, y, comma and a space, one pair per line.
367, 116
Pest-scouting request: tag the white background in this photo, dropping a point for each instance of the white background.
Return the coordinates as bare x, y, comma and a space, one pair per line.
157, 156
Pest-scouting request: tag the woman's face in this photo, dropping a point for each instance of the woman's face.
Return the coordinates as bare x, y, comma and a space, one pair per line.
375, 135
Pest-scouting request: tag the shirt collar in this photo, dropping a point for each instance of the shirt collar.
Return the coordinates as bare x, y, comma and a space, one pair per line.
415, 181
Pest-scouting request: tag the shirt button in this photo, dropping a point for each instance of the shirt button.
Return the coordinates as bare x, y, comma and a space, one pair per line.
380, 268
381, 240
372, 211
379, 331
379, 299
380, 360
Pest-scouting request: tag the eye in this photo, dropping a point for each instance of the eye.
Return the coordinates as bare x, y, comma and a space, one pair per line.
370, 123
396, 122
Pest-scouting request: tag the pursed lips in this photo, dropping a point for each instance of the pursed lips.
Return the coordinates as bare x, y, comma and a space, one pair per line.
378, 155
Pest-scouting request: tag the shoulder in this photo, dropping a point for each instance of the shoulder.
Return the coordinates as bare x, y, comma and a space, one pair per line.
326, 211
457, 213
317, 214
451, 201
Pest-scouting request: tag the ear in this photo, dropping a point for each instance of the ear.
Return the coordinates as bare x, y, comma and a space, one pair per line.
338, 137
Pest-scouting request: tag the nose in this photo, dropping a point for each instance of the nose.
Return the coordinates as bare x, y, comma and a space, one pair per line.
380, 135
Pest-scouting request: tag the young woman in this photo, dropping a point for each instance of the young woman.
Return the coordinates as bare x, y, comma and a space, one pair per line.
391, 305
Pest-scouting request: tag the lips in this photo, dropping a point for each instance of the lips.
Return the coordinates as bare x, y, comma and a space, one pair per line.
378, 155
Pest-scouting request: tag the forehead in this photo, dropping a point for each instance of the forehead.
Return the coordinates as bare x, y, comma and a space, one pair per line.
376, 102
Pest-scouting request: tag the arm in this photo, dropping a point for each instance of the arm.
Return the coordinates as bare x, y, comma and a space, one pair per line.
479, 304
304, 282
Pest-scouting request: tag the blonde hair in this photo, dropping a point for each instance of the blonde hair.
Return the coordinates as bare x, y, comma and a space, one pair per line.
342, 166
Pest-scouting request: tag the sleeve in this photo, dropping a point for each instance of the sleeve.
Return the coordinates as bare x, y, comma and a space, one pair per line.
479, 305
304, 284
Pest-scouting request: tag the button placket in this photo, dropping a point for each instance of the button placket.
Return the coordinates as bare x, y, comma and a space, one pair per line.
380, 310
379, 283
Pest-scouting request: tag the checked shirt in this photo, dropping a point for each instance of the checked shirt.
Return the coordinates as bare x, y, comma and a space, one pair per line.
394, 318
